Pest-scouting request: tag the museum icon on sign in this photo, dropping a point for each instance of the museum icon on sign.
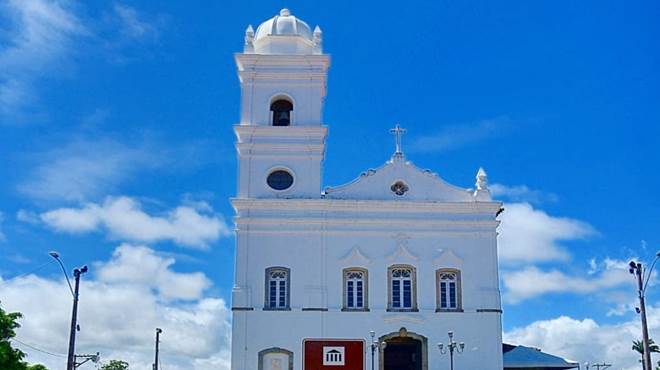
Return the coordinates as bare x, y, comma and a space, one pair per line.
333, 356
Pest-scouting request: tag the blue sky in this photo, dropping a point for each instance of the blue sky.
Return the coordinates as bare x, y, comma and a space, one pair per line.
118, 115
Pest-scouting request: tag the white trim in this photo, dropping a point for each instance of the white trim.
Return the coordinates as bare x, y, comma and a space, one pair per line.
282, 219
401, 253
247, 132
360, 206
355, 257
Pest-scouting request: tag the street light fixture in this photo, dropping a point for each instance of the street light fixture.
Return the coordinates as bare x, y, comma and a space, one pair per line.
451, 348
156, 361
56, 256
643, 276
71, 358
375, 345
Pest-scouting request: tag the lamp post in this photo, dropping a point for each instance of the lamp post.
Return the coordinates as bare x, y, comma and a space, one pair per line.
71, 358
375, 345
158, 331
451, 348
643, 277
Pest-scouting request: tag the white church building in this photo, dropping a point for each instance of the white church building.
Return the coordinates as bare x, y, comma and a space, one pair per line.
397, 252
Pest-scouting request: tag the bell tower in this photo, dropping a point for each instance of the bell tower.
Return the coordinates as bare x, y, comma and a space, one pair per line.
281, 136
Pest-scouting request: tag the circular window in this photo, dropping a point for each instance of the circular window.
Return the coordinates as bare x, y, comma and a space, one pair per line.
280, 180
399, 188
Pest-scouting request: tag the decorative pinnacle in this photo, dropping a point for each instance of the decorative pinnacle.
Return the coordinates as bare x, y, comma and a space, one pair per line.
249, 39
285, 12
482, 179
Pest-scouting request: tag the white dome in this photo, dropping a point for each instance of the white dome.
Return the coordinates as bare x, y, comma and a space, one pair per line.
283, 24
284, 34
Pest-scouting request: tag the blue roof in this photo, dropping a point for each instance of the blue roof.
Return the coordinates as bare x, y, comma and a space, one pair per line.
521, 357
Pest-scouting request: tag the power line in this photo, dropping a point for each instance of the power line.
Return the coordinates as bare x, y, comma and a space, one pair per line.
38, 349
28, 273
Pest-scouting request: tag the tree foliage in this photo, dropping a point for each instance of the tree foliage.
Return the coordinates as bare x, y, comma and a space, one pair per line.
115, 365
638, 346
37, 367
12, 358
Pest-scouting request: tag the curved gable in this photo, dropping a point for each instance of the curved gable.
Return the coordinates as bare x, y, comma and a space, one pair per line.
414, 184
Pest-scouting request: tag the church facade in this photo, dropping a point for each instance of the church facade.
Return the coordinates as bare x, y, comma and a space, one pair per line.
392, 261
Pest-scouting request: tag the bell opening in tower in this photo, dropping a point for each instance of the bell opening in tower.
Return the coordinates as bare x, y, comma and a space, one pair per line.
281, 112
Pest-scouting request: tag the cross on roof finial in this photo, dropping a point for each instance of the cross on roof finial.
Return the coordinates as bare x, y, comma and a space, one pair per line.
398, 132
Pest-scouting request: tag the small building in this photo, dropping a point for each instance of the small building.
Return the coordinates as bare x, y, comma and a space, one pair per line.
530, 358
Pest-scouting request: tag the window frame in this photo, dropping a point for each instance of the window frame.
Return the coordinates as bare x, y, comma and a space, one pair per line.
269, 271
365, 289
280, 167
275, 350
413, 283
438, 290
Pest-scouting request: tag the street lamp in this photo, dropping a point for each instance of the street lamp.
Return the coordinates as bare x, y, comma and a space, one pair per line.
643, 277
451, 348
158, 332
375, 345
71, 358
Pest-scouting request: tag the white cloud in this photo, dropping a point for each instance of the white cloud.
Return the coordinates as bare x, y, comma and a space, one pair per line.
28, 217
522, 193
531, 235
586, 340
118, 316
455, 136
140, 265
533, 282
123, 218
131, 23
84, 169
39, 42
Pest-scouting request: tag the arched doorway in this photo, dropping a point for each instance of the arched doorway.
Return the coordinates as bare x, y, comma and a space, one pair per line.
404, 351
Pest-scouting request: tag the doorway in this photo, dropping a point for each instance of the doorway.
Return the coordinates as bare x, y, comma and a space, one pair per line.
404, 351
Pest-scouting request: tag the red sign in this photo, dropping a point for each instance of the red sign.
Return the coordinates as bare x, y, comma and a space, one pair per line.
333, 354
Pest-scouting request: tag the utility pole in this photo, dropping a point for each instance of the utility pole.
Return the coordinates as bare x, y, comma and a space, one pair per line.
158, 331
71, 359
639, 272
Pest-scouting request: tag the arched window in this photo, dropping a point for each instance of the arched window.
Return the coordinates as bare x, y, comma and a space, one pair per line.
448, 289
275, 359
281, 112
277, 288
402, 288
355, 289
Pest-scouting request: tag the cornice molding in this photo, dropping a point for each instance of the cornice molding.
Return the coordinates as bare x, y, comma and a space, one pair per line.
250, 148
252, 61
361, 206
281, 220
467, 234
308, 132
